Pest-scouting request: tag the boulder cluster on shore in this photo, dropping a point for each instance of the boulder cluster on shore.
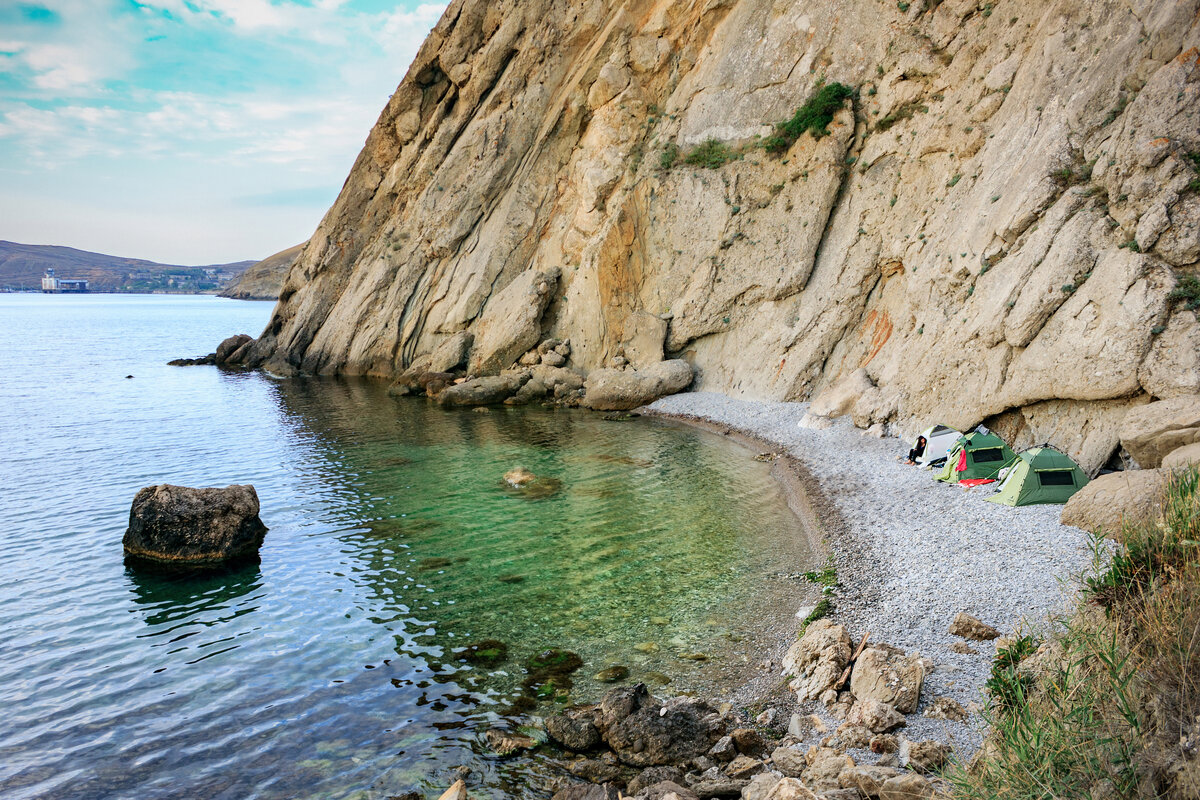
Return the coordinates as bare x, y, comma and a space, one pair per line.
634, 745
456, 374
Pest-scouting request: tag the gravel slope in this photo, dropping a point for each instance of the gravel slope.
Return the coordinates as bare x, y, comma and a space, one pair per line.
912, 552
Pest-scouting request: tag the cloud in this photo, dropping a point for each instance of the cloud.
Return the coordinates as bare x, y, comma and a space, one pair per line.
257, 102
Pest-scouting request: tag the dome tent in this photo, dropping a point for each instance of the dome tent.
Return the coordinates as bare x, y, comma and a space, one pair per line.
1040, 475
939, 439
976, 455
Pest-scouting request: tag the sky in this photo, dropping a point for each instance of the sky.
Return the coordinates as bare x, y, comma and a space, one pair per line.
190, 131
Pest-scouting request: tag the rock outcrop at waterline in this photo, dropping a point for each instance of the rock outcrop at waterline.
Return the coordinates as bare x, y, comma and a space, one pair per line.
993, 228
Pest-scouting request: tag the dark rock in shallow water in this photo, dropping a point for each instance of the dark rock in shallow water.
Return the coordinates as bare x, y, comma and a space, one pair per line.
574, 730
587, 791
227, 349
613, 674
645, 732
193, 362
485, 653
183, 528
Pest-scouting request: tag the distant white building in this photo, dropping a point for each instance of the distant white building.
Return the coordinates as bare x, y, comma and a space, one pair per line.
53, 285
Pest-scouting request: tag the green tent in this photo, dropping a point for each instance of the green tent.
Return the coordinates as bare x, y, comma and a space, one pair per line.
1040, 475
986, 455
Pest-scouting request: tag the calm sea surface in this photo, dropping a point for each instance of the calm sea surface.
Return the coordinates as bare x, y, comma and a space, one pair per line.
331, 669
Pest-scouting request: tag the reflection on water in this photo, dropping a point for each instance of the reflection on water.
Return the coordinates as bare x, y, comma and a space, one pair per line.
336, 667
170, 598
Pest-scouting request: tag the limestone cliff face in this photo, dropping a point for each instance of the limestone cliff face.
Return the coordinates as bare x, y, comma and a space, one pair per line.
991, 229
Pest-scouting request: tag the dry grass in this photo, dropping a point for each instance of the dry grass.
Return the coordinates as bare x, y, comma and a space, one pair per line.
1109, 704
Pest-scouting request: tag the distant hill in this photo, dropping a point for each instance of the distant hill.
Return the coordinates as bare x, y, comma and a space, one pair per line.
264, 280
22, 267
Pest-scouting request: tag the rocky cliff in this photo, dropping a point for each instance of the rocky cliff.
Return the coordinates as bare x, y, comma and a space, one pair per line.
262, 281
999, 226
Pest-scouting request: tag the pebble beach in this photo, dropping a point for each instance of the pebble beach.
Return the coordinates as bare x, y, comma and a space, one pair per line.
911, 552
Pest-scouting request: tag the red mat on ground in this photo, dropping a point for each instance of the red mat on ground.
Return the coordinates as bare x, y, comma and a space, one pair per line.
976, 481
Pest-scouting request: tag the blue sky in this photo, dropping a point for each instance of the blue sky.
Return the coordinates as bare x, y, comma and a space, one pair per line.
190, 131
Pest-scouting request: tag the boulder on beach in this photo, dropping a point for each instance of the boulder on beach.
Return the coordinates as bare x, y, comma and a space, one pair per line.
186, 528
623, 389
481, 391
1110, 502
1152, 431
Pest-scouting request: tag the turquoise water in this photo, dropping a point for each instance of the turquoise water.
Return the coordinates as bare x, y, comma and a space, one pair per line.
331, 669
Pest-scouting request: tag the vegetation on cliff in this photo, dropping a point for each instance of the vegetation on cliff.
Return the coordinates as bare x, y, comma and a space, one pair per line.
1108, 705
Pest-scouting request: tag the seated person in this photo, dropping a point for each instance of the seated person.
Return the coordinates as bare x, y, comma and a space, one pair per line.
917, 451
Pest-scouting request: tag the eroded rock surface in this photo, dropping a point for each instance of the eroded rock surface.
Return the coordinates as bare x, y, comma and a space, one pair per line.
990, 230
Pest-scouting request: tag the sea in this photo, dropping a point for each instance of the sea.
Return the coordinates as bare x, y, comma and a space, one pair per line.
338, 666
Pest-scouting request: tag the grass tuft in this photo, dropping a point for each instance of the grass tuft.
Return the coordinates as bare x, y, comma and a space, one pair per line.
1108, 705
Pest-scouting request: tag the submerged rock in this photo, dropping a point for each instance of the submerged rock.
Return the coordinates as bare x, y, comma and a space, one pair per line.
485, 653
613, 674
182, 527
519, 478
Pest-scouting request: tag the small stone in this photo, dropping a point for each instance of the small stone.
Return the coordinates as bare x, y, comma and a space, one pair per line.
654, 775
748, 741
760, 786
875, 715
743, 767
790, 789
789, 761
946, 708
884, 743
865, 779
553, 358
457, 791
800, 726
853, 736
718, 787
767, 717
724, 749
906, 787
969, 627
506, 743
924, 756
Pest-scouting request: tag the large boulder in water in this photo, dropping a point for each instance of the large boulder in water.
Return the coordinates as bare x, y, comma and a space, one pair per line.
620, 390
177, 526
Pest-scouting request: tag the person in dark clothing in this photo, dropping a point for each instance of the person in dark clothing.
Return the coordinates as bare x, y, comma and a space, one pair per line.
917, 451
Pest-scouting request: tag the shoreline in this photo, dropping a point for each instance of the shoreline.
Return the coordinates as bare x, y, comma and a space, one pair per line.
909, 552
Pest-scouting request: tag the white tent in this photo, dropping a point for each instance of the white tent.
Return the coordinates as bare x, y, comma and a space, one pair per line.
938, 441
